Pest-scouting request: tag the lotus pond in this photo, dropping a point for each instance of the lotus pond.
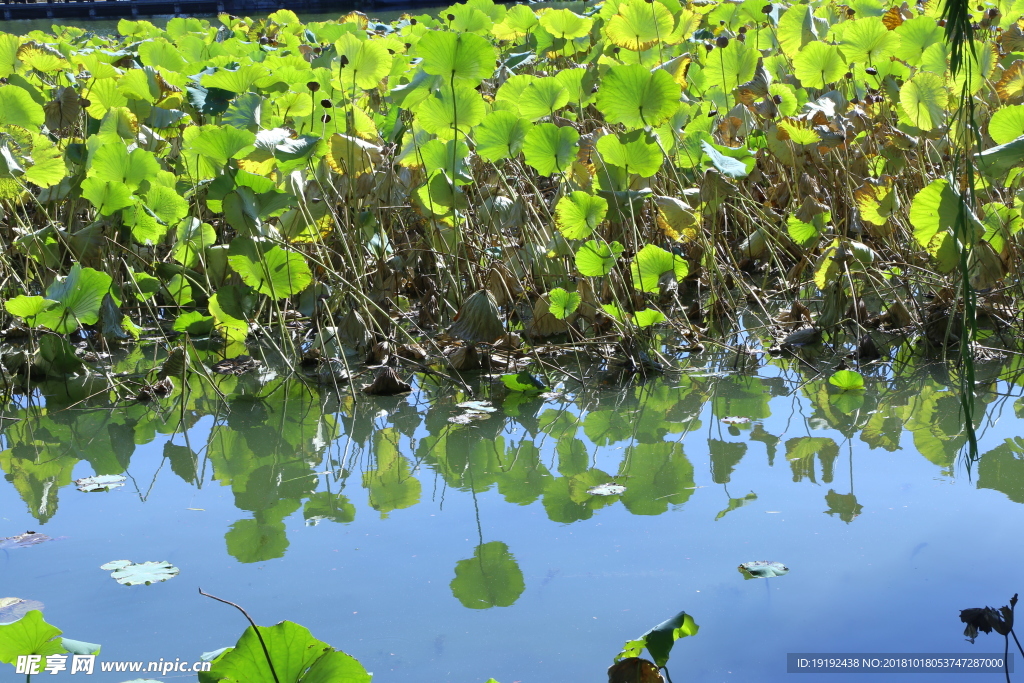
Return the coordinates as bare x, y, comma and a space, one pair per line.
481, 343
434, 548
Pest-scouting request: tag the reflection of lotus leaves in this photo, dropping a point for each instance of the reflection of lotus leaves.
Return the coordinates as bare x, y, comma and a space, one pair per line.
491, 578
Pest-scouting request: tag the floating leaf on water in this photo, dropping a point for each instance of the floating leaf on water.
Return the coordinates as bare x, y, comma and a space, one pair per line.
610, 489
735, 420
12, 609
101, 482
847, 380
660, 639
762, 569
478, 406
128, 573
24, 540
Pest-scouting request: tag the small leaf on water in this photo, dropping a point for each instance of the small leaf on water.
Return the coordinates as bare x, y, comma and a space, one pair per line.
477, 406
762, 569
24, 540
102, 482
128, 573
611, 489
12, 609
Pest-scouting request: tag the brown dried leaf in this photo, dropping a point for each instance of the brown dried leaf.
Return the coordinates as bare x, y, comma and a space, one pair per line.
634, 670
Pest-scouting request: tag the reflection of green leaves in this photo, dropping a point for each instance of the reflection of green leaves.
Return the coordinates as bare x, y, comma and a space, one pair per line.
491, 578
660, 475
660, 639
391, 484
843, 504
801, 452
1002, 469
330, 506
736, 504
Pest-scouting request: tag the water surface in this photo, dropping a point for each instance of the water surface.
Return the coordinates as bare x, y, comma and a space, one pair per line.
435, 551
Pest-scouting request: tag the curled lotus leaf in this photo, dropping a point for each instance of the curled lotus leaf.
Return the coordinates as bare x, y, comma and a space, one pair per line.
762, 569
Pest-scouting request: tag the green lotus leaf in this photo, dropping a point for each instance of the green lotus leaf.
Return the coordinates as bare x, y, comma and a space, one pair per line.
103, 95
566, 24
160, 52
651, 263
451, 111
916, 36
562, 303
660, 639
110, 161
631, 152
729, 66
999, 160
462, 57
804, 234
818, 64
596, 259
238, 80
936, 209
27, 307
107, 196
9, 45
296, 654
799, 27
30, 635
639, 25
441, 195
500, 135
550, 148
270, 270
219, 144
1007, 124
542, 97
194, 323
868, 40
17, 108
368, 61
648, 317
228, 314
923, 99
635, 97
732, 162
192, 238
847, 380
518, 22
578, 214
449, 156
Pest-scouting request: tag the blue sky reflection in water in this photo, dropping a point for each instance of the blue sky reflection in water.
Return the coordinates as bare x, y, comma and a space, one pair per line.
887, 537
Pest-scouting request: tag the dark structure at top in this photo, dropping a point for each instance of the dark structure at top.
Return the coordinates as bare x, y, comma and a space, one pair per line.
50, 9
